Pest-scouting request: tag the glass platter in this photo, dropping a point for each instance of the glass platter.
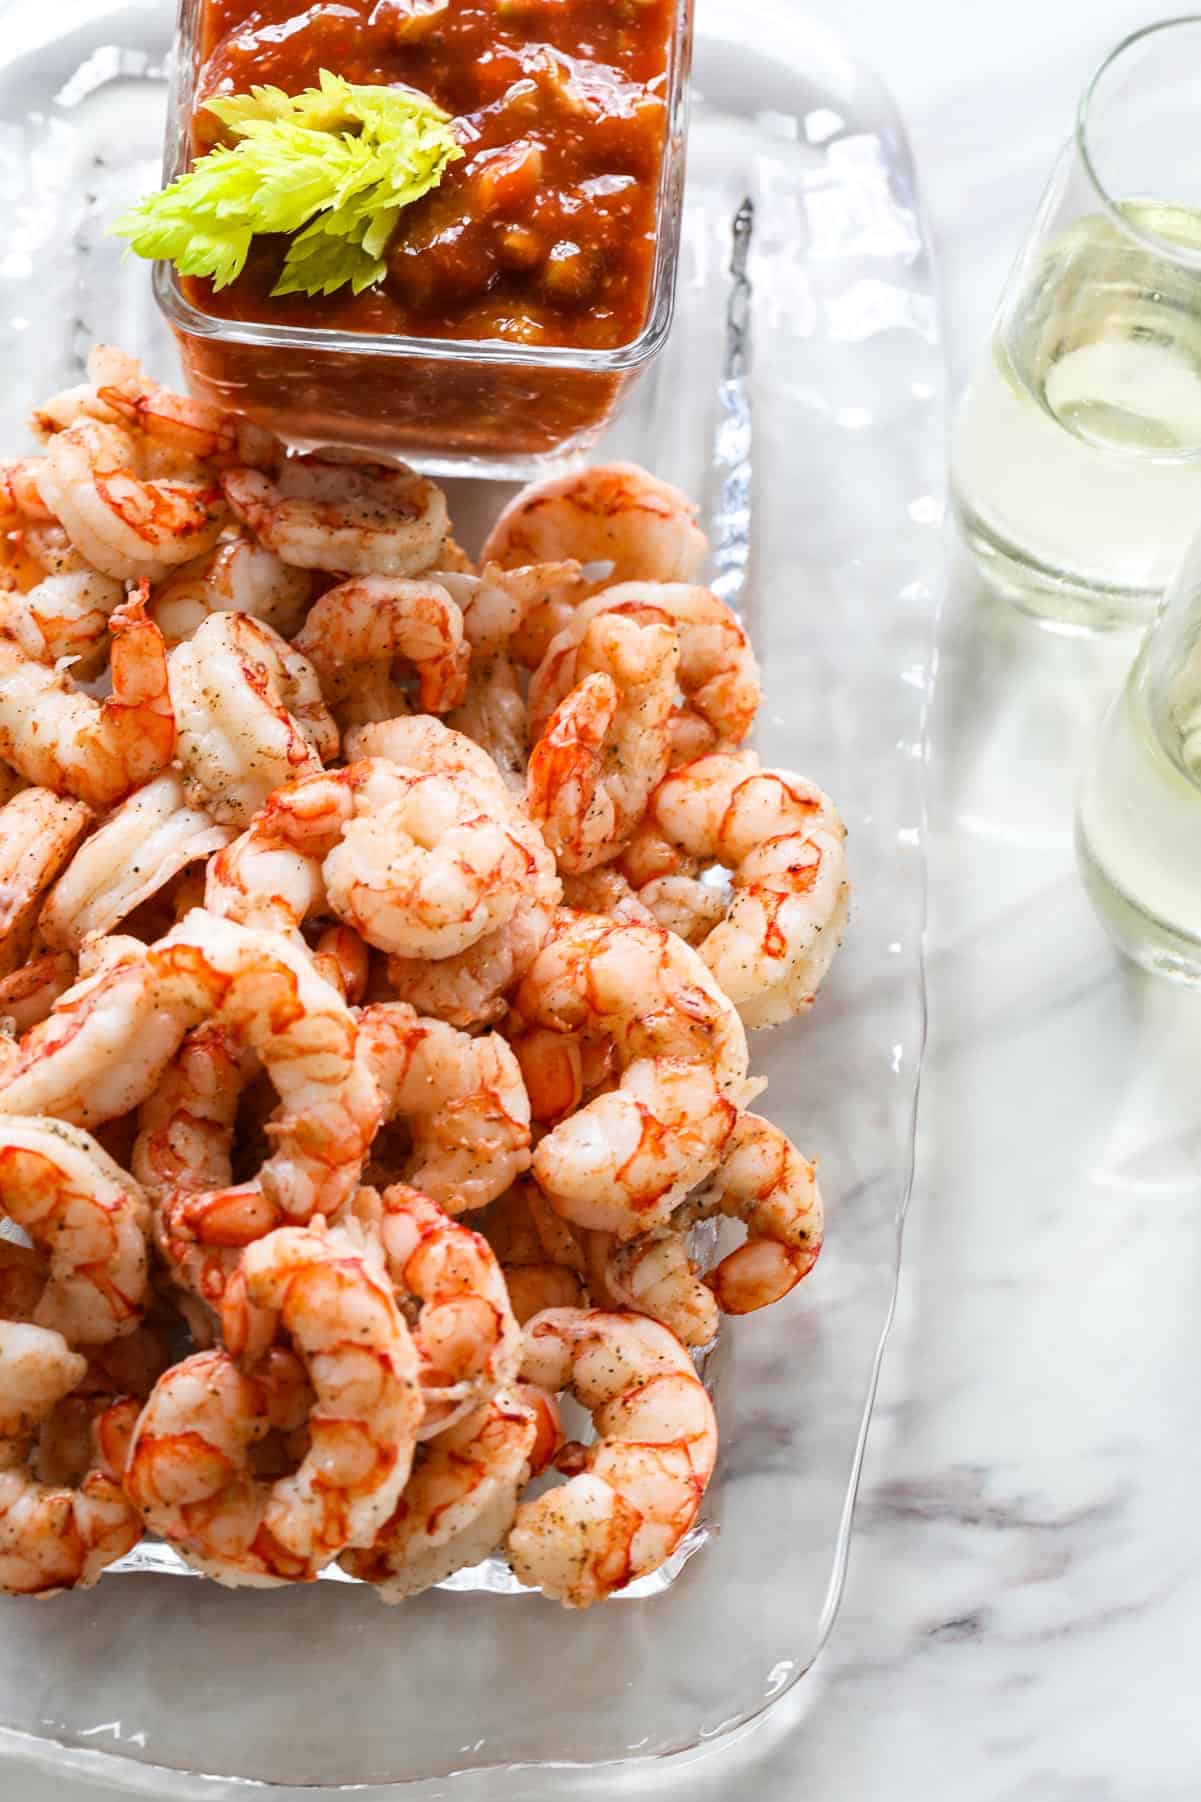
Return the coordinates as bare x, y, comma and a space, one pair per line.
815, 440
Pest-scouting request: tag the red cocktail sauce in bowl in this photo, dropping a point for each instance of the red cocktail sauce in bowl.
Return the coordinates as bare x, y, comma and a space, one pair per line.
525, 292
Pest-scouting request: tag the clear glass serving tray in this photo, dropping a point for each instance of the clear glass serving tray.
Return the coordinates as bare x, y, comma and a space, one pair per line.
803, 400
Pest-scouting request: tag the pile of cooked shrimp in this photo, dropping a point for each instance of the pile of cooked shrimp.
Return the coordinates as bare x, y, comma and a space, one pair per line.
380, 936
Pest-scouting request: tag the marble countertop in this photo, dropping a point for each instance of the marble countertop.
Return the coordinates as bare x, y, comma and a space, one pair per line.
1027, 1558
1028, 1555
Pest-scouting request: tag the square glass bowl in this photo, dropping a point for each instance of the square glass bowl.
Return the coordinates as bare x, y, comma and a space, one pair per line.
482, 407
815, 441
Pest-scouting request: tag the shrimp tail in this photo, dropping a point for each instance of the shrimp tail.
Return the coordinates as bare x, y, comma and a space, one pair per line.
136, 724
563, 786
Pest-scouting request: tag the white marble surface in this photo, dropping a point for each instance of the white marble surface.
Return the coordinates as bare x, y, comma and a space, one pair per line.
1026, 1574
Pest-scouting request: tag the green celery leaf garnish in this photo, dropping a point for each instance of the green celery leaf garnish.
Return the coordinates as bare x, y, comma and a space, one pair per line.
331, 167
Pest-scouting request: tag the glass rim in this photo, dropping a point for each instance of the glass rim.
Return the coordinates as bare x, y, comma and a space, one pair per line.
1163, 247
184, 316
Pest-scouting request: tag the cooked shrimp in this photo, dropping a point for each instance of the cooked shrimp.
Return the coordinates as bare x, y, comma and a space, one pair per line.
322, 511
21, 496
564, 787
453, 559
416, 863
65, 615
462, 1497
552, 1068
184, 431
606, 891
523, 1228
424, 870
102, 1047
272, 998
469, 990
763, 1180
535, 1287
185, 1128
718, 676
124, 521
496, 605
421, 742
604, 749
99, 751
359, 633
270, 876
493, 715
615, 514
109, 1040
626, 1159
88, 1216
561, 1069
653, 1275
38, 832
239, 576
541, 1255
638, 985
54, 1536
80, 401
673, 888
183, 1157
550, 594
47, 545
462, 1098
194, 430
38, 1370
29, 994
344, 959
65, 1443
251, 715
189, 1470
141, 846
30, 552
638, 1489
517, 610
784, 843
468, 1341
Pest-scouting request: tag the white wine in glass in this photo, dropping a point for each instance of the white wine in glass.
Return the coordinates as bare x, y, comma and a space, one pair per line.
1076, 453
1138, 822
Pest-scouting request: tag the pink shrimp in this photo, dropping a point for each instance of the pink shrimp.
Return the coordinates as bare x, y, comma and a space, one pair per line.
636, 1491
100, 751
189, 1471
604, 749
784, 843
58, 1535
359, 631
467, 1338
461, 1499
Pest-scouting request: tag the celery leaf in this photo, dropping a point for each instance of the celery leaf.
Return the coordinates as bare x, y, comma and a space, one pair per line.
331, 168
